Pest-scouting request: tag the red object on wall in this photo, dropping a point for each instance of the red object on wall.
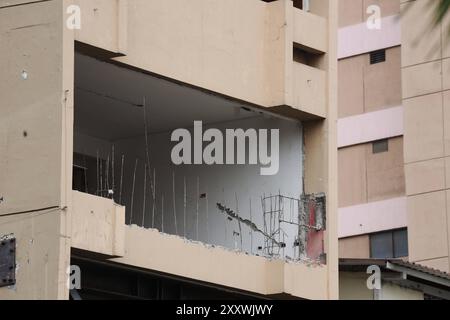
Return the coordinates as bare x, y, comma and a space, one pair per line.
315, 238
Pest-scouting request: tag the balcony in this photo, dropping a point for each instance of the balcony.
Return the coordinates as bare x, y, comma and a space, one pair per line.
304, 23
109, 20
152, 250
98, 225
309, 89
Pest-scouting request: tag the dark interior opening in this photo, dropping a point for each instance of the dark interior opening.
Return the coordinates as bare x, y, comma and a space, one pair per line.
109, 281
308, 57
297, 3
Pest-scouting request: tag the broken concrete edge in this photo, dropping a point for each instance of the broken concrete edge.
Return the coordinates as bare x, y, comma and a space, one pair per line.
307, 262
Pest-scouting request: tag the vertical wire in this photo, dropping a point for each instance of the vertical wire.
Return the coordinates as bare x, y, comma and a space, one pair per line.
132, 191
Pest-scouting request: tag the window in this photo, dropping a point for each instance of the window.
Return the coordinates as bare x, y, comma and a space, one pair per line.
302, 4
299, 4
380, 146
388, 245
377, 56
308, 56
400, 243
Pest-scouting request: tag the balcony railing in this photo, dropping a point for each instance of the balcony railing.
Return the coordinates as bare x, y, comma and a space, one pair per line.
98, 225
310, 89
310, 31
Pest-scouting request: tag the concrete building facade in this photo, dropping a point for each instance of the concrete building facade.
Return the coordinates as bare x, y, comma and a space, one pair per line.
392, 131
426, 99
393, 181
372, 198
92, 92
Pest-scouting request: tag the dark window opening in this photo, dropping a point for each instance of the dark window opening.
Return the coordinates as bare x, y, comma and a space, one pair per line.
299, 4
91, 175
377, 56
308, 56
389, 245
380, 146
79, 180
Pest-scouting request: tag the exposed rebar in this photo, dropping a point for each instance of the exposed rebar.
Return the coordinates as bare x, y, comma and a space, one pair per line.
121, 179
132, 191
174, 203
145, 195
113, 172
184, 207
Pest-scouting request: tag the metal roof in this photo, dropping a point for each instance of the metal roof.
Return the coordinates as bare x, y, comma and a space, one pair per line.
421, 268
432, 282
394, 265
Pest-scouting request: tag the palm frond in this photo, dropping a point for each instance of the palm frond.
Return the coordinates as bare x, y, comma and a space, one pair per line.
442, 10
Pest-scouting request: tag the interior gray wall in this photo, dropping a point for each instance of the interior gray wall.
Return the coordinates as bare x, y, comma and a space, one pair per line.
236, 186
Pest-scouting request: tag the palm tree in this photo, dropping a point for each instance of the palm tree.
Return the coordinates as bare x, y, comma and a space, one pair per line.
442, 10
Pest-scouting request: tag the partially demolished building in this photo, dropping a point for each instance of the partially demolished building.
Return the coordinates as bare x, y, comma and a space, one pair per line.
155, 149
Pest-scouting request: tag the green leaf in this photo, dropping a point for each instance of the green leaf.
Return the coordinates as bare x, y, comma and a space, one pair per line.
442, 9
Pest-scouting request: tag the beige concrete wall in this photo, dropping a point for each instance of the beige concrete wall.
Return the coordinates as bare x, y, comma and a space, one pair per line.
385, 173
103, 17
195, 36
152, 250
248, 57
351, 85
365, 88
38, 256
354, 11
355, 247
352, 175
98, 225
426, 99
35, 134
393, 292
353, 287
367, 177
310, 282
331, 236
309, 86
304, 22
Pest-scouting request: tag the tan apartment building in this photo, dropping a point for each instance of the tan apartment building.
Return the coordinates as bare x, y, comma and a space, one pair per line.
372, 202
94, 96
393, 80
426, 101
392, 132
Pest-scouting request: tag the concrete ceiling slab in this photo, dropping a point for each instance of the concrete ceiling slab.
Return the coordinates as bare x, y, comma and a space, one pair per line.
109, 99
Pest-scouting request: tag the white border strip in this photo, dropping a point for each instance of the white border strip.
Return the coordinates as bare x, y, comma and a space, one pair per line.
372, 217
358, 39
372, 126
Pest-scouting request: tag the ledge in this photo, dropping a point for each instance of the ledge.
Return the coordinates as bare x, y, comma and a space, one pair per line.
150, 249
98, 225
